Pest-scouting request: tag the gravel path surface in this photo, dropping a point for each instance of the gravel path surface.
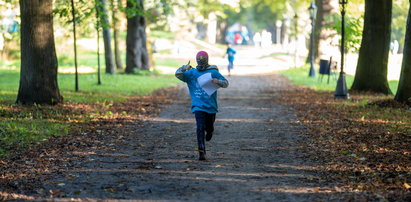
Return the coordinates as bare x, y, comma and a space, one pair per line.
254, 154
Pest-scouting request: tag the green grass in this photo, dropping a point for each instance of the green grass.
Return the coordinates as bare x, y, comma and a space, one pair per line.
17, 133
114, 87
299, 76
24, 125
162, 35
85, 58
171, 62
273, 54
9, 84
31, 125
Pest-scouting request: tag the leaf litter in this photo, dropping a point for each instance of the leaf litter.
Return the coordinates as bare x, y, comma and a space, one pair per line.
364, 143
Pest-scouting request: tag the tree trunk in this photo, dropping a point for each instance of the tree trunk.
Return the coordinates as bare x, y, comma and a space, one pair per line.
108, 52
404, 87
284, 30
38, 76
371, 73
221, 31
137, 55
273, 29
116, 33
324, 9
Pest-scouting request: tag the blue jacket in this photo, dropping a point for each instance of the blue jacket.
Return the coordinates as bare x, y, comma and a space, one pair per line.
200, 100
231, 52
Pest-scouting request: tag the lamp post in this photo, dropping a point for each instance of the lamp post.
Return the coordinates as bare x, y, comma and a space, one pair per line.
341, 90
313, 11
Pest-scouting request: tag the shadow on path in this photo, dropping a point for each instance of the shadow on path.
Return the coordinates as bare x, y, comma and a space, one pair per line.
254, 155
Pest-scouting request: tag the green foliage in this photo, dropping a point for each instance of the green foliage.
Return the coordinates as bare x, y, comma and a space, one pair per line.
158, 10
85, 15
399, 20
263, 14
353, 29
207, 6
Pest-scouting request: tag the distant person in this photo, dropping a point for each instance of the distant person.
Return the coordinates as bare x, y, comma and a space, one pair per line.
230, 52
203, 105
257, 39
396, 47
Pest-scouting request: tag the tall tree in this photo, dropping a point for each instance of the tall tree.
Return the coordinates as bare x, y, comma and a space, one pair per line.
136, 40
404, 87
371, 73
324, 9
108, 52
38, 75
115, 4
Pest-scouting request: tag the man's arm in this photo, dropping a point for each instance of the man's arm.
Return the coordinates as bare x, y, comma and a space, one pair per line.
180, 72
222, 83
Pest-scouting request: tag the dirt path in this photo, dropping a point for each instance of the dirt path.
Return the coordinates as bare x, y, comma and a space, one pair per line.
253, 156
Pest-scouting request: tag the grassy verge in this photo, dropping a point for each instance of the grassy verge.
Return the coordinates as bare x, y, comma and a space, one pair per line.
23, 125
300, 76
170, 62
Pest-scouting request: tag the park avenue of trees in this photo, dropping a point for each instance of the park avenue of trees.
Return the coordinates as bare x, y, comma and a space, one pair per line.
39, 70
90, 107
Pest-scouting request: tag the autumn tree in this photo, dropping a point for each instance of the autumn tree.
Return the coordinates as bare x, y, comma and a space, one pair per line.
38, 75
136, 40
404, 87
371, 73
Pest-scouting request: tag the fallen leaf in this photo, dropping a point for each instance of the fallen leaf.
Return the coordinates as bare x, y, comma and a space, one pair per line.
111, 190
316, 189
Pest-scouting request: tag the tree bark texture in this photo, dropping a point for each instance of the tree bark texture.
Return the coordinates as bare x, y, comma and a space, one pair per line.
371, 73
221, 31
38, 75
136, 40
404, 87
283, 33
116, 34
108, 52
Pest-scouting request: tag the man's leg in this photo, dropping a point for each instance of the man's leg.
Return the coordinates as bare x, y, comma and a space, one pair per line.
200, 120
209, 126
229, 68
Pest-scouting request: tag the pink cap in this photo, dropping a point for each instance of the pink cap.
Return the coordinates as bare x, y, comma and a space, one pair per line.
202, 54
